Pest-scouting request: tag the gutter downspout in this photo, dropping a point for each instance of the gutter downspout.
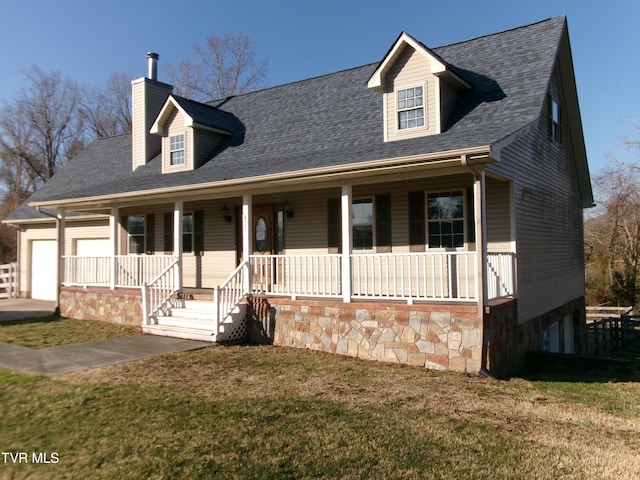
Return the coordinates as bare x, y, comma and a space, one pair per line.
59, 218
480, 207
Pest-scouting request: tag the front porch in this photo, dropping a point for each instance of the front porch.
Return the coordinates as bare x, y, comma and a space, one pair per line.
421, 245
447, 278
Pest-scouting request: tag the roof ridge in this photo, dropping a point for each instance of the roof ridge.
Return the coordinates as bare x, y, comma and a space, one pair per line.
501, 32
272, 87
372, 64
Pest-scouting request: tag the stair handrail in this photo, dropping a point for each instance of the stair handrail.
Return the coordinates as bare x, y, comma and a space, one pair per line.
159, 291
227, 297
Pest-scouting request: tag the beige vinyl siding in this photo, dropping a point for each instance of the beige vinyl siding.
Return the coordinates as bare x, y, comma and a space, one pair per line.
93, 229
499, 232
218, 259
548, 219
448, 96
411, 69
148, 97
204, 143
74, 230
176, 126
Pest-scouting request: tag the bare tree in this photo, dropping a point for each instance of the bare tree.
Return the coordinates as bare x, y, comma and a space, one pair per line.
224, 66
42, 126
107, 110
612, 237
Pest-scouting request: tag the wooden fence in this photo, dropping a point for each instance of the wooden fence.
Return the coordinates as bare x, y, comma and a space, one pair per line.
8, 280
607, 334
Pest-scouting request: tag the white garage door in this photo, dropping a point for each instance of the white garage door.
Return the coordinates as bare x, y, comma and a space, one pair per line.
93, 247
43, 269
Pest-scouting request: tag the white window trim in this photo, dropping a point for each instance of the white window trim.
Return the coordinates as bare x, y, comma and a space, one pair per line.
396, 110
184, 214
372, 199
183, 150
465, 227
143, 235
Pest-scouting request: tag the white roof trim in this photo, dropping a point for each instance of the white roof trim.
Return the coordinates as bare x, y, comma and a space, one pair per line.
438, 67
165, 111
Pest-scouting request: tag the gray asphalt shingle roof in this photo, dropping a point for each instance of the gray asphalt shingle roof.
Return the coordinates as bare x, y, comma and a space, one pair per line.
335, 119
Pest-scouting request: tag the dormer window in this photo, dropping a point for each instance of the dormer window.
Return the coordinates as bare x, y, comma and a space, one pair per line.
410, 108
176, 150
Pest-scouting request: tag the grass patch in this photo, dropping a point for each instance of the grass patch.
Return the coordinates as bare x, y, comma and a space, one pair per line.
54, 331
275, 413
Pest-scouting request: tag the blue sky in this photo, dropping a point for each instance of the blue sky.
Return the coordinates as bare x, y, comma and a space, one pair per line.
88, 41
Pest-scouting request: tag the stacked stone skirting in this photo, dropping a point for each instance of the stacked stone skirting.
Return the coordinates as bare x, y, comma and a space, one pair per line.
120, 306
441, 337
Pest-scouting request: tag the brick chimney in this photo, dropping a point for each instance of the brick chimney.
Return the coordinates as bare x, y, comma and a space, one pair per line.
147, 98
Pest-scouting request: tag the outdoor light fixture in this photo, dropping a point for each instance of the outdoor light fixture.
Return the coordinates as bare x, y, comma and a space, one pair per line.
225, 214
287, 209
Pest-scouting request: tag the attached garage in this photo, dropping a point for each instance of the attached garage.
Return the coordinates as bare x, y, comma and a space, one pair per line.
44, 274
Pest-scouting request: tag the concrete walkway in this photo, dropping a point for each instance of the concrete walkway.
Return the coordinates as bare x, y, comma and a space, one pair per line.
70, 358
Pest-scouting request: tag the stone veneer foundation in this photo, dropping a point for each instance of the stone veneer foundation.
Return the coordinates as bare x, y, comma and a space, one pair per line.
441, 337
120, 306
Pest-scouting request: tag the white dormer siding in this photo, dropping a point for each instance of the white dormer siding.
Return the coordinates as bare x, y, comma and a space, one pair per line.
147, 98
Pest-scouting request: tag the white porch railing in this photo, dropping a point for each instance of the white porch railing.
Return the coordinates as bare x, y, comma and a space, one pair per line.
415, 276
500, 275
159, 291
293, 275
228, 296
420, 276
130, 270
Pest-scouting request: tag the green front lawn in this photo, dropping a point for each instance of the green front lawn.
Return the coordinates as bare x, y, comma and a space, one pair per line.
278, 413
54, 331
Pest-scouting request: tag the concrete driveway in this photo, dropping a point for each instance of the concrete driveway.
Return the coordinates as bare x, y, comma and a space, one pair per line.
18, 308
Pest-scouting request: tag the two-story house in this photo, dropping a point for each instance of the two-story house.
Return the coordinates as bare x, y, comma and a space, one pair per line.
426, 209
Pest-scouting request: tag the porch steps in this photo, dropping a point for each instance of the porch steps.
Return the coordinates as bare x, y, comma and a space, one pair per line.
195, 320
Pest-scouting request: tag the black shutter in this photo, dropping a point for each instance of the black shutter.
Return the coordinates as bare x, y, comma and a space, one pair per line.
471, 216
149, 233
124, 235
383, 223
334, 236
168, 232
417, 220
198, 232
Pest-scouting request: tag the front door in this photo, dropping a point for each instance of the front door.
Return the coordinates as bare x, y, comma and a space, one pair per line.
264, 244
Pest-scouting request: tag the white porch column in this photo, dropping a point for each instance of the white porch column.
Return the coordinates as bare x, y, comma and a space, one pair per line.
347, 241
178, 212
247, 237
480, 214
113, 242
60, 226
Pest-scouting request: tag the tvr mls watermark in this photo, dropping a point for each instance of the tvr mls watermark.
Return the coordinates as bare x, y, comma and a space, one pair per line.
29, 457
